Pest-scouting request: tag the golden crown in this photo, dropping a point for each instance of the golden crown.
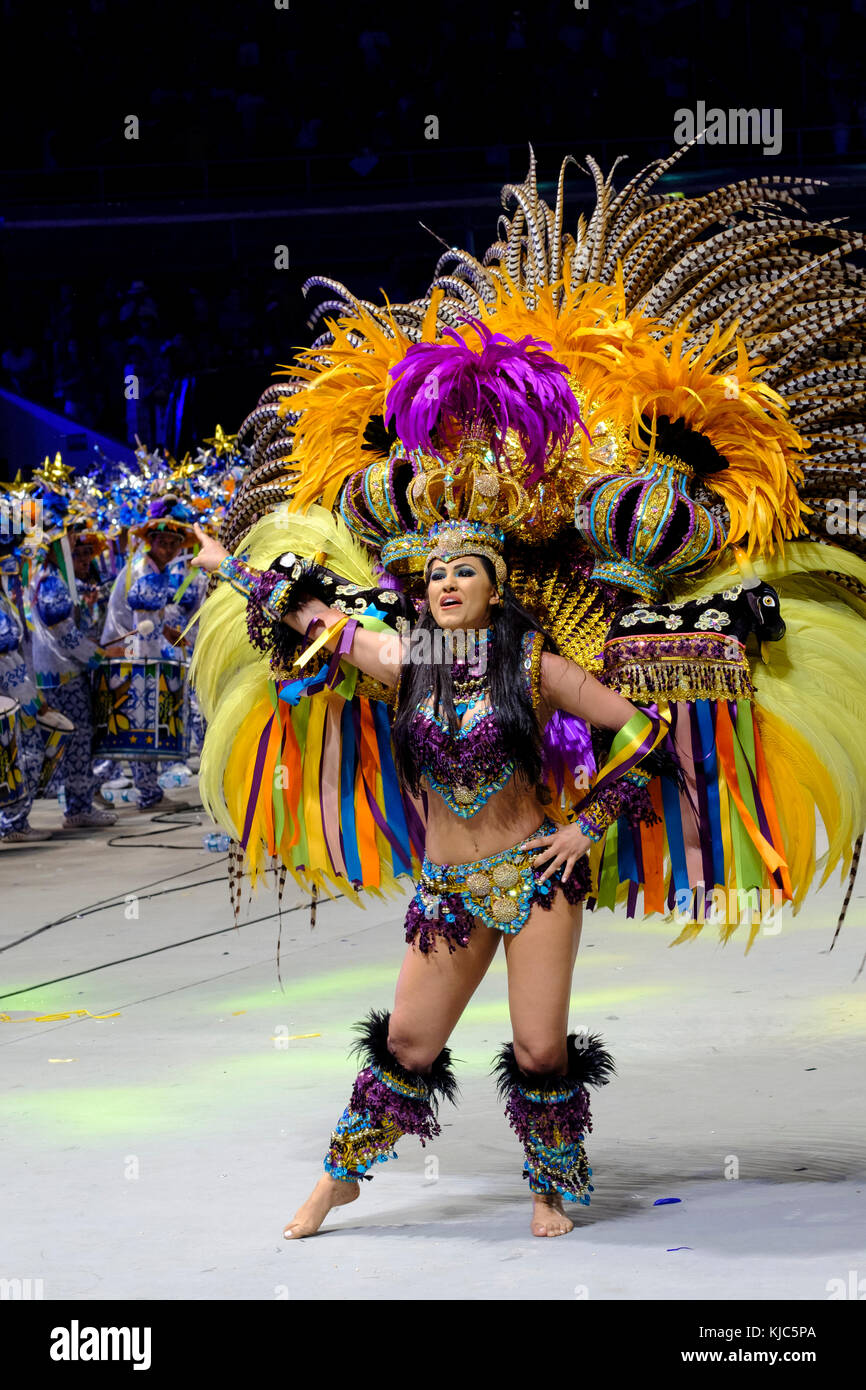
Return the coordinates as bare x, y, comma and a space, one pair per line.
460, 505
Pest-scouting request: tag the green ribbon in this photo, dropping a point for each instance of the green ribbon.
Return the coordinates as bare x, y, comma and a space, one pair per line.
609, 875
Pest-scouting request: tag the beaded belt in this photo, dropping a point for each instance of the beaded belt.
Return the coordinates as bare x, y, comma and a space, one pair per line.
498, 889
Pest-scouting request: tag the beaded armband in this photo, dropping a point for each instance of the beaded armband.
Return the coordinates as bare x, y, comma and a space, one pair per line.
628, 797
266, 593
262, 586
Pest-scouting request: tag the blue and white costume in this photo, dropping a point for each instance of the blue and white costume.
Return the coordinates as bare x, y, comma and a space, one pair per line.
63, 654
188, 605
17, 682
140, 605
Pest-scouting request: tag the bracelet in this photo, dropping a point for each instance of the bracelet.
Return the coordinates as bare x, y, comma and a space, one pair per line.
254, 584
593, 829
266, 593
241, 576
627, 796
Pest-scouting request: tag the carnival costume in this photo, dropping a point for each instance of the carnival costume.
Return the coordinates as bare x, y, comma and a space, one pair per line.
65, 652
643, 427
141, 605
22, 750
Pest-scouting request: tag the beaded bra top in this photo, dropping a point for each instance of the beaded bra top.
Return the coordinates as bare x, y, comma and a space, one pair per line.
467, 766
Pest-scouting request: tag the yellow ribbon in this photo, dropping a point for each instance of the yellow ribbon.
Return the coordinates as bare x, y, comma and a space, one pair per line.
319, 642
632, 734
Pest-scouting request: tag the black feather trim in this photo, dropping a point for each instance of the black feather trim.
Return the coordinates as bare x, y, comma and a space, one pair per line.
306, 579
661, 762
379, 438
674, 437
591, 1065
372, 1049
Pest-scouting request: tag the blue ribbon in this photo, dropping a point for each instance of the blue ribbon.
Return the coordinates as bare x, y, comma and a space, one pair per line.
294, 691
711, 769
674, 827
401, 854
348, 761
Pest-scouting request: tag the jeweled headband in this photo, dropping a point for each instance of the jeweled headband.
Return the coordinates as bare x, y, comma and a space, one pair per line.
449, 539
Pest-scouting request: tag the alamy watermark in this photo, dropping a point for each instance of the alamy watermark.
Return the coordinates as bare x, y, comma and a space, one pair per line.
846, 518
736, 126
438, 647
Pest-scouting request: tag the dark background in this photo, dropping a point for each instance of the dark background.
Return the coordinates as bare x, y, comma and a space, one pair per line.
305, 127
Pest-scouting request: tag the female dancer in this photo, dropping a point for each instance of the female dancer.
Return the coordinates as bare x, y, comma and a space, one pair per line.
496, 865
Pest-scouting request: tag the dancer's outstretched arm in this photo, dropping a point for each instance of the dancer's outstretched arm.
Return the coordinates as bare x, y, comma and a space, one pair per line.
377, 654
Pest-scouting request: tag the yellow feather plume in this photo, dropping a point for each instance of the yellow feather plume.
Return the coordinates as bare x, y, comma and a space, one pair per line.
575, 322
346, 384
716, 390
243, 690
229, 675
810, 701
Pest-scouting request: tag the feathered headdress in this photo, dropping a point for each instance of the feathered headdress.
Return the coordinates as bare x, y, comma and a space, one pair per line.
338, 400
668, 393
444, 390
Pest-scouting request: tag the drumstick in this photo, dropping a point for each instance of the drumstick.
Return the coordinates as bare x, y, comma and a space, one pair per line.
113, 642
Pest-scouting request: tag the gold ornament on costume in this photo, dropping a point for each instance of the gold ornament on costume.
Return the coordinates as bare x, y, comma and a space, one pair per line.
53, 475
717, 392
188, 466
463, 505
18, 486
551, 502
222, 443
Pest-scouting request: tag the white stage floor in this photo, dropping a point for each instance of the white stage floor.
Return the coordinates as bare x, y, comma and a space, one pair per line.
158, 1153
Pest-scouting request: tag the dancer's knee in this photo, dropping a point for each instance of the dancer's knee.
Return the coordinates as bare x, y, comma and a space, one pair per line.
541, 1055
411, 1051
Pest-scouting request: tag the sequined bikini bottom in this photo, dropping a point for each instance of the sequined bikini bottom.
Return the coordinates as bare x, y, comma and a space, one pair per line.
499, 890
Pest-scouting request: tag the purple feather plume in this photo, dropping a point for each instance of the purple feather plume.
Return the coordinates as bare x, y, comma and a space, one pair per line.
508, 385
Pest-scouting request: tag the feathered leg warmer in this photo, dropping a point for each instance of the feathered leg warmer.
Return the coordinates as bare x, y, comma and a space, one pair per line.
387, 1101
550, 1115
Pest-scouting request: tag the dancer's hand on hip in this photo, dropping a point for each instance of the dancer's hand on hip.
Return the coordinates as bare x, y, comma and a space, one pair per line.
211, 554
564, 847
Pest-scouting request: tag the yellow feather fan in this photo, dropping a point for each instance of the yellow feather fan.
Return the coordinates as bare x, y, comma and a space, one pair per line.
575, 322
346, 383
229, 675
716, 390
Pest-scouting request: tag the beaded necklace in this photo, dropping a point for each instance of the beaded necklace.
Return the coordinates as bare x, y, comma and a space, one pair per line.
470, 686
468, 765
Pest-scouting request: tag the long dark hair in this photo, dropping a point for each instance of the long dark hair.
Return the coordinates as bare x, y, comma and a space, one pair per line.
508, 690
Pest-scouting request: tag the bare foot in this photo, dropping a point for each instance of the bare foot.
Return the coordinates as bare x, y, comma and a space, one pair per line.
329, 1192
548, 1216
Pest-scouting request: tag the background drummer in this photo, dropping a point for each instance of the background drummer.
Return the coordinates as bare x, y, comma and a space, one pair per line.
18, 683
143, 623
64, 652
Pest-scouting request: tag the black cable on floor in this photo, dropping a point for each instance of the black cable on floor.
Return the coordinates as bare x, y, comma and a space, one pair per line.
172, 945
113, 901
102, 904
162, 819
